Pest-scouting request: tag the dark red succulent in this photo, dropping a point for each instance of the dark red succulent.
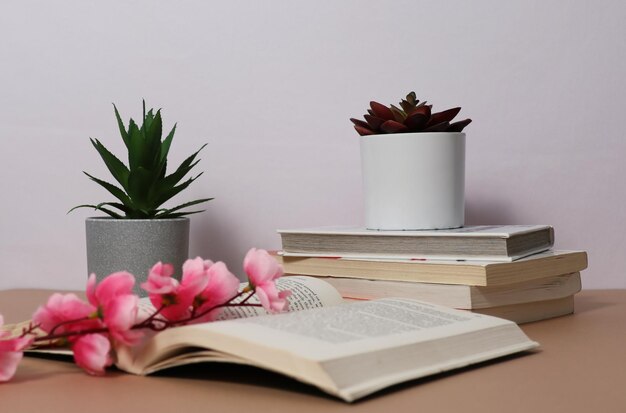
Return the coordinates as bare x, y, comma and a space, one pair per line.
413, 116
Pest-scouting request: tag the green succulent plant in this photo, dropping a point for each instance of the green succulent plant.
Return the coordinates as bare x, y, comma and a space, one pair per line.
144, 185
412, 116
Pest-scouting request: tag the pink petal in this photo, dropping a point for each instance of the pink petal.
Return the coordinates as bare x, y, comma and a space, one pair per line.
8, 364
160, 280
193, 266
91, 289
261, 267
16, 344
193, 283
222, 284
271, 299
176, 312
281, 304
118, 283
120, 313
263, 298
73, 308
91, 352
129, 337
164, 270
62, 308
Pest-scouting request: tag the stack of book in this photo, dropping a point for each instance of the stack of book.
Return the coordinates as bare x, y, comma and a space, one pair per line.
508, 271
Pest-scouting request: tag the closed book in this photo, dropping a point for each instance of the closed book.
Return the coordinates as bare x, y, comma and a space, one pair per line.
531, 312
493, 243
465, 297
481, 273
523, 312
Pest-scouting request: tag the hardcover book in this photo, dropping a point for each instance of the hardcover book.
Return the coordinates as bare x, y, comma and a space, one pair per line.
465, 297
493, 243
479, 273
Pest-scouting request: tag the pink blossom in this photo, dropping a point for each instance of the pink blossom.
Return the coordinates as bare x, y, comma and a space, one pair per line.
262, 270
195, 274
119, 315
222, 286
66, 311
160, 281
92, 353
11, 352
117, 306
111, 287
172, 297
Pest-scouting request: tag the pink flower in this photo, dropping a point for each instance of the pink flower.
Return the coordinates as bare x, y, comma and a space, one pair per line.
262, 271
117, 306
120, 315
66, 311
195, 275
176, 298
160, 281
11, 353
222, 286
92, 353
111, 287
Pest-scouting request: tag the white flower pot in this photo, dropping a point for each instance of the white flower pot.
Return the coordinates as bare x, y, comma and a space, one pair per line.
414, 181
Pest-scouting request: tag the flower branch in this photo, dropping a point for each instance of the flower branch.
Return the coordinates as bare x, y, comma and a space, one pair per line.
95, 328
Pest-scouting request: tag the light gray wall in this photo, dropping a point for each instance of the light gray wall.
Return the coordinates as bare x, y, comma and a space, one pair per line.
270, 86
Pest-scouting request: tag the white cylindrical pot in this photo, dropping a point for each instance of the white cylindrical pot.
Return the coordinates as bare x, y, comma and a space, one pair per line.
414, 181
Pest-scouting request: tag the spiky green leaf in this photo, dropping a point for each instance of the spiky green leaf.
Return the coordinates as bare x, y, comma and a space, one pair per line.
140, 181
121, 126
99, 208
153, 140
116, 167
171, 180
169, 193
117, 205
165, 146
185, 205
115, 191
135, 148
178, 215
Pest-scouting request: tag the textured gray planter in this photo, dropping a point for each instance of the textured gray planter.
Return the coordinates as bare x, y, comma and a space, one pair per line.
135, 245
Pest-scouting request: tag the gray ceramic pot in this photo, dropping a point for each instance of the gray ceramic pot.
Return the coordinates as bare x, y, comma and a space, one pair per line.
135, 245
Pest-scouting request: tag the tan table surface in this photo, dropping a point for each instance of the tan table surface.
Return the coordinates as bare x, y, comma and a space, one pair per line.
581, 367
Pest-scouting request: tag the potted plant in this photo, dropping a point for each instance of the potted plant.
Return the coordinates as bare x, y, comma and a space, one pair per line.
413, 164
139, 231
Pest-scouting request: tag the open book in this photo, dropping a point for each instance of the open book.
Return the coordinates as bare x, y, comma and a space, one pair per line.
348, 350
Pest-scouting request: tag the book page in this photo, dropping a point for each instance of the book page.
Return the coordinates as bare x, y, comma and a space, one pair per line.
353, 349
348, 350
365, 320
355, 327
306, 293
